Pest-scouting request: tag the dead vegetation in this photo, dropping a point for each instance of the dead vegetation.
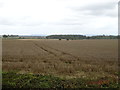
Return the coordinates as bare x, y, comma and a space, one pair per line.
68, 59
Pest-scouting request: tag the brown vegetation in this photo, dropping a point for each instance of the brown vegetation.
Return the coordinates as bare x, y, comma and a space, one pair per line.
76, 58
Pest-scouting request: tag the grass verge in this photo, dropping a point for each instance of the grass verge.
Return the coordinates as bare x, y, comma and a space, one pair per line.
14, 80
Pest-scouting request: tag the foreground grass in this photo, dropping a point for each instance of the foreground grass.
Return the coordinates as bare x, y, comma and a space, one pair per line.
15, 80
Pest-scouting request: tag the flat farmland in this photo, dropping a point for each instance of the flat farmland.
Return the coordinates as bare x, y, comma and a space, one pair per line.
89, 59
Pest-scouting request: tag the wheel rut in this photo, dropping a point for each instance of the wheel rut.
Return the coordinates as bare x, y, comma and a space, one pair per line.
56, 55
45, 50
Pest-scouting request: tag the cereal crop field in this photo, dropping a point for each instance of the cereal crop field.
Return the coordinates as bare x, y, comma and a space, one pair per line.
95, 61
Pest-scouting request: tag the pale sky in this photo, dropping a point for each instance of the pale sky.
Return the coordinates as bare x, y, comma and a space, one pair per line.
45, 17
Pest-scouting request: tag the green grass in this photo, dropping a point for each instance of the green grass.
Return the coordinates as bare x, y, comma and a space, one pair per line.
14, 80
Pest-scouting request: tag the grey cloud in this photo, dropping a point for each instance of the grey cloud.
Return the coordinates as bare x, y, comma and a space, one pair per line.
1, 4
19, 21
30, 24
111, 13
28, 21
4, 21
98, 9
69, 21
64, 23
100, 6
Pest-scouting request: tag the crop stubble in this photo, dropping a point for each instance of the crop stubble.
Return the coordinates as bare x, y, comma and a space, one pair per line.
75, 58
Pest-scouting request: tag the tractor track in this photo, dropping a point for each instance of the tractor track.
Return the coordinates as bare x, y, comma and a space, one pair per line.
56, 55
45, 50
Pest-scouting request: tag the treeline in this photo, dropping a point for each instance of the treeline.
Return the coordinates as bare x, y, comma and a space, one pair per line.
23, 37
6, 36
76, 37
67, 37
103, 37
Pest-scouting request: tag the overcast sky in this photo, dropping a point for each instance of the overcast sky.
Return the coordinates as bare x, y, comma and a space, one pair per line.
45, 17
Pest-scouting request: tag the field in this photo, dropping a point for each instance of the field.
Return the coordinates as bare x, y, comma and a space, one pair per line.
95, 62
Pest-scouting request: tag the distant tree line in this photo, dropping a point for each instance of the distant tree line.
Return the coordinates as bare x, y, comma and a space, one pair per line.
76, 37
67, 37
6, 36
23, 37
102, 37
